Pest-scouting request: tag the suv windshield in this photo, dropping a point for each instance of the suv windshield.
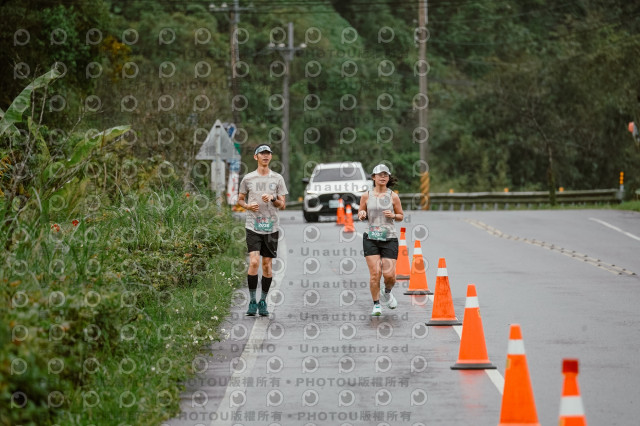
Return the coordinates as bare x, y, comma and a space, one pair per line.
337, 174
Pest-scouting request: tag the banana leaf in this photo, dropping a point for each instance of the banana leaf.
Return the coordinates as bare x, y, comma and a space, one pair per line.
22, 102
86, 146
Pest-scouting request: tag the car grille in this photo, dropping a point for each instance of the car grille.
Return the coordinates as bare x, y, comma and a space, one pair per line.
348, 198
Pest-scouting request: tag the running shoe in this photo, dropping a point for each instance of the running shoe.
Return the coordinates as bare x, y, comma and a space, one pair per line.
377, 310
392, 303
253, 308
262, 308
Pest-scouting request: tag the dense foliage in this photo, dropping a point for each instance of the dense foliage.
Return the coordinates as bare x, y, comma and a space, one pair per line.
97, 269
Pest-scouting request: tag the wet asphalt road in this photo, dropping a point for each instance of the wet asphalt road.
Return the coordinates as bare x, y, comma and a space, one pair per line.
569, 278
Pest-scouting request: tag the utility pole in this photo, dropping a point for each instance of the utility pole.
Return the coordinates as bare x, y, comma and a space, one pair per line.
235, 57
287, 52
423, 21
422, 40
234, 19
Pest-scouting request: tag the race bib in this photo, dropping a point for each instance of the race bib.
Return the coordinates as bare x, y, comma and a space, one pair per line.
263, 224
377, 233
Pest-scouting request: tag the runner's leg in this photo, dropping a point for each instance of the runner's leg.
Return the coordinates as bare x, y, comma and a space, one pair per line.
252, 273
252, 281
253, 247
267, 276
268, 251
266, 283
389, 272
373, 262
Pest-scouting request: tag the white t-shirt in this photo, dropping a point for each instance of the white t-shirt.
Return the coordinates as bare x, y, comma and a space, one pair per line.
253, 185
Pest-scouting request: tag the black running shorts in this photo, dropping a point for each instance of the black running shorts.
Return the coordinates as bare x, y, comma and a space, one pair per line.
266, 244
387, 249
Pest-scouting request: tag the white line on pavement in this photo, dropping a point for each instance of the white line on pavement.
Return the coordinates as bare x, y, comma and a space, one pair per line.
617, 270
615, 228
249, 355
457, 328
494, 375
496, 379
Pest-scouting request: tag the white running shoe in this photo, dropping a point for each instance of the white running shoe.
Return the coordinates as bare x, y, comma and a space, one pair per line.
377, 310
392, 303
383, 297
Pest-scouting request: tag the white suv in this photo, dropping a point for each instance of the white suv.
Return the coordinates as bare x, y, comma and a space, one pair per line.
328, 183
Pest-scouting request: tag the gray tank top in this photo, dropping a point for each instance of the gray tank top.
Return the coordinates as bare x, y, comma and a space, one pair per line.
380, 227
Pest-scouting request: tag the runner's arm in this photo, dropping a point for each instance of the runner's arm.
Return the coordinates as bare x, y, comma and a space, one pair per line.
397, 208
244, 205
280, 202
362, 211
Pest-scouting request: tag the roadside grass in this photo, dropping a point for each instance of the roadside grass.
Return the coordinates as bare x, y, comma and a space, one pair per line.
630, 205
103, 315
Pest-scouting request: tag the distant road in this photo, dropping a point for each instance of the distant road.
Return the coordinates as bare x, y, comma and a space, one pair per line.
568, 277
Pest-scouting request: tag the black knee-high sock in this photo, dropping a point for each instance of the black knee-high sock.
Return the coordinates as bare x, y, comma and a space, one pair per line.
266, 284
252, 280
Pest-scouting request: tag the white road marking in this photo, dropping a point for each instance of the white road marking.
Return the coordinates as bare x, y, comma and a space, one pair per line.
615, 228
249, 355
617, 270
496, 379
457, 328
494, 375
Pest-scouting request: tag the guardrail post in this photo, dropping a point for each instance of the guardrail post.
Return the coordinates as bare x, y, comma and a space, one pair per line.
620, 194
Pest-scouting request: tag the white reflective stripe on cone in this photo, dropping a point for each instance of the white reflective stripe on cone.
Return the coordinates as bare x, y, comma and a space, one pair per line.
442, 272
515, 347
472, 302
571, 406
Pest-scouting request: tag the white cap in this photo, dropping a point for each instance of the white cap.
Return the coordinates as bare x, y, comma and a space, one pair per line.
262, 148
380, 168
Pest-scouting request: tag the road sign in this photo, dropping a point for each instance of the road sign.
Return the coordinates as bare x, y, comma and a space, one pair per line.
218, 145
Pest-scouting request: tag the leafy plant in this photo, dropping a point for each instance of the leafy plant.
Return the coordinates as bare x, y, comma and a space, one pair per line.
37, 164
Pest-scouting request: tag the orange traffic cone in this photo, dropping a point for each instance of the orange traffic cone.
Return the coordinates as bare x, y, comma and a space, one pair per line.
571, 409
443, 312
340, 219
348, 223
403, 268
473, 350
418, 276
518, 405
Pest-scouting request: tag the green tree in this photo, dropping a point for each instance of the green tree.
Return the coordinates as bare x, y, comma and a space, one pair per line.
36, 34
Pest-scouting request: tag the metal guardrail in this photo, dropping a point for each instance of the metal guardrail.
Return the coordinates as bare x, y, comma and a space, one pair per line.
510, 200
445, 201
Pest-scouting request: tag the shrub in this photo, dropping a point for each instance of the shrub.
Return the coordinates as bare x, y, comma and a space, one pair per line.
113, 307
